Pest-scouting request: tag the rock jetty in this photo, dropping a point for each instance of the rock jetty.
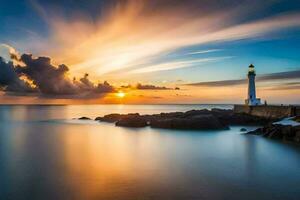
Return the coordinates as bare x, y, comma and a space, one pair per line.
215, 119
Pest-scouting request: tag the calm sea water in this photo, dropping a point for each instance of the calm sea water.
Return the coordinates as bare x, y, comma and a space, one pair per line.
45, 154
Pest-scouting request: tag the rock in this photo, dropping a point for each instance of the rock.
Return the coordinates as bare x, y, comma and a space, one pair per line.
115, 117
134, 121
275, 134
297, 119
242, 119
225, 117
170, 115
279, 132
215, 119
84, 118
193, 113
243, 130
218, 110
258, 131
111, 117
98, 118
200, 122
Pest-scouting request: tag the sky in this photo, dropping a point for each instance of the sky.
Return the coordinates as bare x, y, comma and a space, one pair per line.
148, 51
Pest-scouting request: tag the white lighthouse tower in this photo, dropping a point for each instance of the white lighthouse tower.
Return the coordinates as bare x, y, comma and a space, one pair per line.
252, 100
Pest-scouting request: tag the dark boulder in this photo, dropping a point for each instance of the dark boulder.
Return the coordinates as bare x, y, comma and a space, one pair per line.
258, 131
275, 133
84, 118
134, 121
242, 119
170, 115
243, 130
98, 118
115, 117
279, 132
111, 117
200, 122
193, 113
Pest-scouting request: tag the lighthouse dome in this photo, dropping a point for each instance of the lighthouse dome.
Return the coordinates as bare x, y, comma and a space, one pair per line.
251, 70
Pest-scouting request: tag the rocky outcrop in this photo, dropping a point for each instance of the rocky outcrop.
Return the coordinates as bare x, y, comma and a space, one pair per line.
279, 132
214, 119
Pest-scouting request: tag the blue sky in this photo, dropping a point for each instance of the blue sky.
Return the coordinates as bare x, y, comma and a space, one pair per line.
167, 43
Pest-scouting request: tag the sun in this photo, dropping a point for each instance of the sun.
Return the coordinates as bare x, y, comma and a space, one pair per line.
120, 94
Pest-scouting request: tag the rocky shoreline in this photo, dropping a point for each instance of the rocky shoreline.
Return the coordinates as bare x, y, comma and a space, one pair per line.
215, 119
286, 133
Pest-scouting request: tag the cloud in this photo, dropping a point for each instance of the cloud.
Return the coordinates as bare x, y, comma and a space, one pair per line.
204, 51
150, 87
177, 65
46, 77
220, 83
39, 76
10, 80
140, 86
7, 73
287, 86
12, 53
104, 88
280, 76
10, 49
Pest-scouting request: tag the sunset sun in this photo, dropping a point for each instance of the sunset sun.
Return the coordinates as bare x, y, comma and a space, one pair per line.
120, 94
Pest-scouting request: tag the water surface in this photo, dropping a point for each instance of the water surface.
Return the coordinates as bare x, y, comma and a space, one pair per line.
45, 154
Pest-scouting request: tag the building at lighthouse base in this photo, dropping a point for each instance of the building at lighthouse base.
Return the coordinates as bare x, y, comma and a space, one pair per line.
253, 102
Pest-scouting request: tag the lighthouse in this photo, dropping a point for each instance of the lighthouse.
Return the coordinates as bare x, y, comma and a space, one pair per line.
252, 100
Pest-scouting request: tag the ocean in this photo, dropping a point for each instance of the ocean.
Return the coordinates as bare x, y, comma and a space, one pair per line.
45, 153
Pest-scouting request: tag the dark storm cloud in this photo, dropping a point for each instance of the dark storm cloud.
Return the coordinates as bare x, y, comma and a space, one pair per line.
45, 79
262, 78
7, 73
85, 84
104, 87
48, 78
9, 79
